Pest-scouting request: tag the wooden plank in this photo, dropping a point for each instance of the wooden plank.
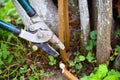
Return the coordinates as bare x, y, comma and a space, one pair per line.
67, 30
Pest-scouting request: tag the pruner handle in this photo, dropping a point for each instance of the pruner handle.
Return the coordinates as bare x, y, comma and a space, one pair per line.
10, 27
27, 7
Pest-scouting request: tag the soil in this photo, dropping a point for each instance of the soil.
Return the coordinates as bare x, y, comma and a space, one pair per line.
56, 76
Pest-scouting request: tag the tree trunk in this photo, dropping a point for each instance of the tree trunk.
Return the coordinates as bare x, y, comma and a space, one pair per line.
44, 8
85, 23
104, 30
73, 5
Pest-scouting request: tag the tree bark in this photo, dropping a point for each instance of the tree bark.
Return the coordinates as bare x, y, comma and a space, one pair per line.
85, 23
104, 30
44, 8
73, 5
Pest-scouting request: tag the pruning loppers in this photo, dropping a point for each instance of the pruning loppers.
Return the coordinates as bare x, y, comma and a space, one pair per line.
38, 32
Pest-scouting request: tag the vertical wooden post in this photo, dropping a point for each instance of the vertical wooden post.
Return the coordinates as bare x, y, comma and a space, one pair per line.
63, 23
67, 31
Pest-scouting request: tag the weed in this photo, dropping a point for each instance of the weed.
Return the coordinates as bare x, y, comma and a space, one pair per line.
90, 57
102, 73
6, 12
92, 42
79, 59
42, 71
12, 50
51, 74
77, 63
52, 61
115, 53
60, 78
117, 32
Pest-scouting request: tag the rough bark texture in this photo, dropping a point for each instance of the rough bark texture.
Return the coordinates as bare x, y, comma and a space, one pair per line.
104, 30
44, 8
84, 20
73, 5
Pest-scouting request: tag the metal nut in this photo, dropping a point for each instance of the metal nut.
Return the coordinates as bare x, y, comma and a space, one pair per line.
31, 28
39, 34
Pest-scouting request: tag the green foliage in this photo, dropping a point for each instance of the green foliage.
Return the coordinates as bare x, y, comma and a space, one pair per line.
102, 73
115, 53
34, 75
15, 78
5, 56
31, 78
112, 58
4, 51
23, 69
52, 61
9, 14
60, 78
90, 57
6, 12
82, 58
42, 71
33, 67
78, 62
117, 48
93, 35
92, 42
117, 32
8, 61
51, 74
12, 50
79, 58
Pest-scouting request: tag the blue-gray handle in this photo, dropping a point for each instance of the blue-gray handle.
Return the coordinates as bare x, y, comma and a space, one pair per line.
10, 27
27, 7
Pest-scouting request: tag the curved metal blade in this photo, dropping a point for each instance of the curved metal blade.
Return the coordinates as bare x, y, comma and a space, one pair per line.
47, 48
33, 37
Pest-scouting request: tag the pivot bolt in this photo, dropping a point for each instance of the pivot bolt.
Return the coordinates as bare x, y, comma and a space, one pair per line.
31, 28
39, 34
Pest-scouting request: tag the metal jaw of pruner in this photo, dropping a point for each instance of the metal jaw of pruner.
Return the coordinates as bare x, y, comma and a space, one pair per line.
42, 35
39, 37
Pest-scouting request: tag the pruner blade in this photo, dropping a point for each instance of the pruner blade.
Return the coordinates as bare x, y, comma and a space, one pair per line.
47, 48
47, 34
55, 40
